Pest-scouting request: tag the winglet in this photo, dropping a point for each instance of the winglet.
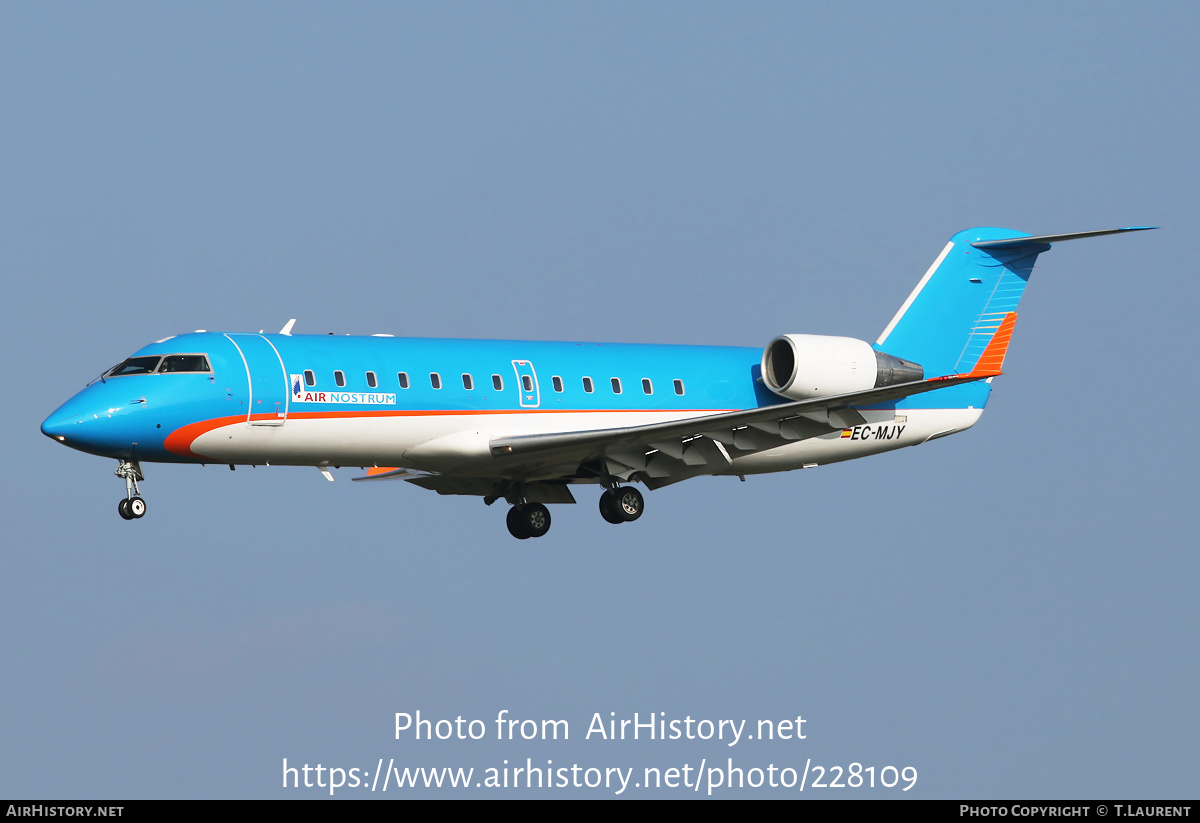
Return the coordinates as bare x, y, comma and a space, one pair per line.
288, 328
992, 360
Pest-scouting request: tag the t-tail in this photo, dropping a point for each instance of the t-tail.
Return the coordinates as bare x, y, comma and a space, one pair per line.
960, 317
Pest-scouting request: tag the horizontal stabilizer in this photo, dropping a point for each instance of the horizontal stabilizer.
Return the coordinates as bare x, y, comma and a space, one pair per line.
1015, 242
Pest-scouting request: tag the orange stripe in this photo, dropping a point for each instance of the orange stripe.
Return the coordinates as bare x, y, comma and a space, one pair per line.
295, 415
180, 441
992, 360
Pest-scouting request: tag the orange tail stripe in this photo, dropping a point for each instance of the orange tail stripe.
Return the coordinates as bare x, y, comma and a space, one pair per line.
992, 359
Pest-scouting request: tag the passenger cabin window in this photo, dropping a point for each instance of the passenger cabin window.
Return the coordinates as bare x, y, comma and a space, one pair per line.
587, 385
435, 380
647, 386
310, 379
468, 383
402, 379
679, 387
616, 384
558, 387
340, 379
497, 382
135, 365
371, 381
184, 363
526, 382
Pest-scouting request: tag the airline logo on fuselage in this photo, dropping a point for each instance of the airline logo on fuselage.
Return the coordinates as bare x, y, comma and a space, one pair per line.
303, 394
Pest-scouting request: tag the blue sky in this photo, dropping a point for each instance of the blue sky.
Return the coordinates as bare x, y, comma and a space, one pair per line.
1011, 611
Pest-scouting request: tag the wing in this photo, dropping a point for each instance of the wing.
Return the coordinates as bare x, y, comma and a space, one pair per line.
391, 473
490, 488
664, 453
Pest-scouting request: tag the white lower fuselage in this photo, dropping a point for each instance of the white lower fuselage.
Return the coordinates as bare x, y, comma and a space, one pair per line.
459, 443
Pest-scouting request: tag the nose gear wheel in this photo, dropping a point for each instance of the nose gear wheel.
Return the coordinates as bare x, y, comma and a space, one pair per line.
133, 506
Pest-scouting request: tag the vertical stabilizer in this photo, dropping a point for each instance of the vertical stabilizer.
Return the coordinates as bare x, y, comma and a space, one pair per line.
969, 293
959, 318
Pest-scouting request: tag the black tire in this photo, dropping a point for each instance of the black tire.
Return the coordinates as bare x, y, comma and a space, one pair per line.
123, 508
516, 526
628, 503
608, 508
535, 519
136, 507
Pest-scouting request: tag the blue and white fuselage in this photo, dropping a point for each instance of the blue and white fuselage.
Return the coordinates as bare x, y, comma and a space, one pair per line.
248, 410
525, 420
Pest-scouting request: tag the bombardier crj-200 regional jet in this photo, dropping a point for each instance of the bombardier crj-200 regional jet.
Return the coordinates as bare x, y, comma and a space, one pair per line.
525, 421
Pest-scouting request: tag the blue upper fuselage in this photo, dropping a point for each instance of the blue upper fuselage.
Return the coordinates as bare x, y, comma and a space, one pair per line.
130, 417
268, 378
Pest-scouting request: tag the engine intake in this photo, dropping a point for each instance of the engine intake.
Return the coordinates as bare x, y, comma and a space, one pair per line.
805, 366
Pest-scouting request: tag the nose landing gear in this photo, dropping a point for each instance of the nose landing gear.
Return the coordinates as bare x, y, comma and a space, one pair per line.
133, 506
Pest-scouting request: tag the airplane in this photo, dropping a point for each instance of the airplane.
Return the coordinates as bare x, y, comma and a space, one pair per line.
525, 421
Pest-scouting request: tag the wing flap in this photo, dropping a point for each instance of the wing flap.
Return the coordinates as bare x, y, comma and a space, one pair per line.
665, 453
672, 439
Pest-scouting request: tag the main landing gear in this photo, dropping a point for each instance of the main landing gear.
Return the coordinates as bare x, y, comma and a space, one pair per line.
133, 506
619, 504
622, 504
528, 520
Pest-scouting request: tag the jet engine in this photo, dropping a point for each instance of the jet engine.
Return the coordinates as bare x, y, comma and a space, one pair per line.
804, 366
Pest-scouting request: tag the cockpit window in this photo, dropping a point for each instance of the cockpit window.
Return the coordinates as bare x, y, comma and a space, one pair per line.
184, 362
135, 365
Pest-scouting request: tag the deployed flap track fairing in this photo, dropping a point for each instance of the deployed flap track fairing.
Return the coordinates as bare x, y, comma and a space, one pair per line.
524, 421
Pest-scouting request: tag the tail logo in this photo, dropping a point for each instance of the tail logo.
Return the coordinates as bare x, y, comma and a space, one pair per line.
992, 360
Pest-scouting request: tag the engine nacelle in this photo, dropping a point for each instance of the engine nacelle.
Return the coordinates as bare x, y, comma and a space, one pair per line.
804, 366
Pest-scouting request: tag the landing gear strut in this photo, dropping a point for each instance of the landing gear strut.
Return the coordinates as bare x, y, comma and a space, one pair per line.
133, 506
622, 504
528, 520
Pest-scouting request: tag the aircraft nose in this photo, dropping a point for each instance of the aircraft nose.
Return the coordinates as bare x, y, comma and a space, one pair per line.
69, 427
84, 422
55, 427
